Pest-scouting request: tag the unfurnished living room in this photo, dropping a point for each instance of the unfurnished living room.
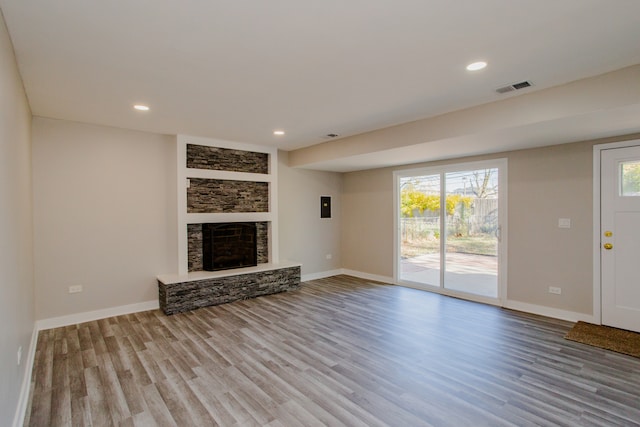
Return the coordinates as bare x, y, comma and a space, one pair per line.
343, 213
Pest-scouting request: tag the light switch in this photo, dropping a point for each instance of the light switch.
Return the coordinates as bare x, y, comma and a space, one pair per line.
564, 223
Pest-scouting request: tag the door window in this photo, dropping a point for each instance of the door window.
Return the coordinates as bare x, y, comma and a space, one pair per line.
630, 179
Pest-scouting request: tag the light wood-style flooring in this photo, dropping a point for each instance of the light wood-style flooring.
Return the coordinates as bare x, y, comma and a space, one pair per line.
339, 351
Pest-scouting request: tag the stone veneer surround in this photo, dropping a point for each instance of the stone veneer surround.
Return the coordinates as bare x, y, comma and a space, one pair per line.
226, 159
177, 297
222, 196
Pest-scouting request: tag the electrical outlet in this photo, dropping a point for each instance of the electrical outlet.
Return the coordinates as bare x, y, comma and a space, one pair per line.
554, 290
75, 289
564, 223
19, 355
328, 256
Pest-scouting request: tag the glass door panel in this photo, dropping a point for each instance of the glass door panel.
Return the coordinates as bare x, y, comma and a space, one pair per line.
449, 231
420, 223
471, 237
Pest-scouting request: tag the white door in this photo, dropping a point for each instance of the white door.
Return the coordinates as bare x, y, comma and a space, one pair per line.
620, 237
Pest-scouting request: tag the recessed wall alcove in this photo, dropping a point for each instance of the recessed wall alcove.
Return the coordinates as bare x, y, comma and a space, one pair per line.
222, 182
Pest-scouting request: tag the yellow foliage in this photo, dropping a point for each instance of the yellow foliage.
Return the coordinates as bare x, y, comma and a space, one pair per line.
411, 200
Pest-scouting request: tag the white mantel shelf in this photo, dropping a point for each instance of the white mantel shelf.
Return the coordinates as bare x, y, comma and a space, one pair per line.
169, 279
199, 218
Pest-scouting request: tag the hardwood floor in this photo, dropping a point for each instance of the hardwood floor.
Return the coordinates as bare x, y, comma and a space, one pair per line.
339, 351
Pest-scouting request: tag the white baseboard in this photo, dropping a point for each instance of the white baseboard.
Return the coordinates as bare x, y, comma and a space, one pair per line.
23, 399
56, 322
368, 276
556, 313
359, 274
320, 275
88, 316
509, 304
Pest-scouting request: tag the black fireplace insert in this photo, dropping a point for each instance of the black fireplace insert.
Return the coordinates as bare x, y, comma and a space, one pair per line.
229, 245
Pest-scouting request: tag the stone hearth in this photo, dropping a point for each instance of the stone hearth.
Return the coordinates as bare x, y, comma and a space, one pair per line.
178, 293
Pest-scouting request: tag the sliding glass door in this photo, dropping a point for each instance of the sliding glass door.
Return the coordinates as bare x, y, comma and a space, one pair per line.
449, 228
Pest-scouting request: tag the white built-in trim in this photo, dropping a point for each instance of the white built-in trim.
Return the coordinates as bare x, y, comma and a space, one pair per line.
321, 275
273, 230
197, 218
185, 218
181, 225
23, 399
597, 305
555, 313
228, 175
396, 223
88, 316
170, 279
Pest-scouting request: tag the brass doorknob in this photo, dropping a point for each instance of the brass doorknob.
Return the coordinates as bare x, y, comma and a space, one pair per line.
608, 246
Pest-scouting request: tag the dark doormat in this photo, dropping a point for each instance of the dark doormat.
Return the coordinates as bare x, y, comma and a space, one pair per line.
614, 339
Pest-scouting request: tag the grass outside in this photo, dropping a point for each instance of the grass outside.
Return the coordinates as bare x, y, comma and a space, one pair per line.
482, 244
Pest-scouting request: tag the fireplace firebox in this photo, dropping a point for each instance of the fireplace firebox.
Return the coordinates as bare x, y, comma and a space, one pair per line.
229, 245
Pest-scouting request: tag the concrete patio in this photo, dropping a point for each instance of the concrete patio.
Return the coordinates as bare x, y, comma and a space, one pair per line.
474, 274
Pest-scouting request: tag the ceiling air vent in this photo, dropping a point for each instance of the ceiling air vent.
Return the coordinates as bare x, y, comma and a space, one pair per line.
512, 87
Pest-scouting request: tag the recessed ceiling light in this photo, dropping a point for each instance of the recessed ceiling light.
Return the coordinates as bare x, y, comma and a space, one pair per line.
278, 132
141, 107
476, 66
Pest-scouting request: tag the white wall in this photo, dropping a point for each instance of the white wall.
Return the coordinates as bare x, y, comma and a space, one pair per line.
367, 217
304, 236
545, 184
104, 215
16, 259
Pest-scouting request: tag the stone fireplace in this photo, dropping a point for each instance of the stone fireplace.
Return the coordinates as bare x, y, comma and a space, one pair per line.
227, 227
195, 242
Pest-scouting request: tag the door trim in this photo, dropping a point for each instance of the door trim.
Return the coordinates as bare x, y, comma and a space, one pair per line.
503, 165
597, 273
